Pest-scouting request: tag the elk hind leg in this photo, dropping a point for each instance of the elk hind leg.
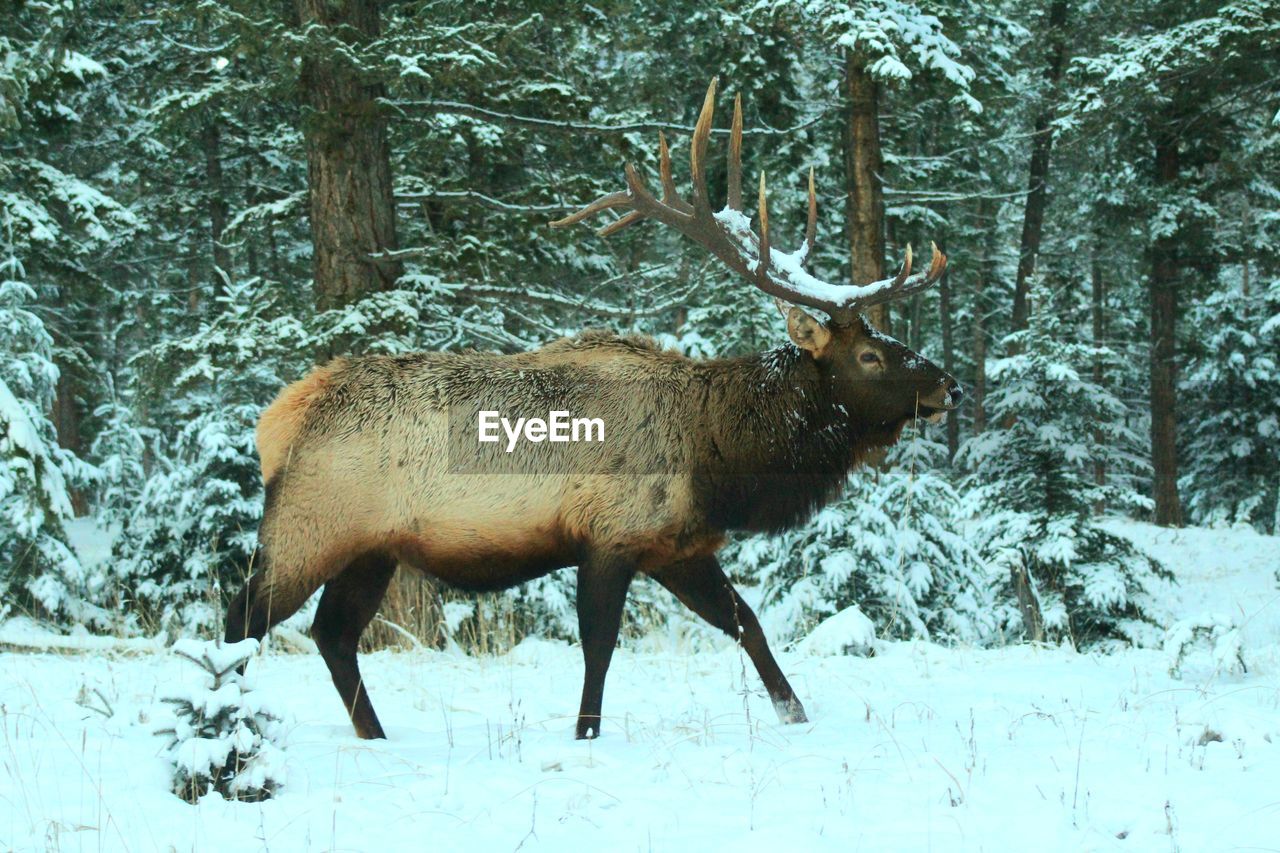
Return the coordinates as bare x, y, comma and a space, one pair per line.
701, 585
347, 605
602, 594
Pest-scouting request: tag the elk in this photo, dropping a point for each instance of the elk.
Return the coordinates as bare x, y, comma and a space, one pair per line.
368, 462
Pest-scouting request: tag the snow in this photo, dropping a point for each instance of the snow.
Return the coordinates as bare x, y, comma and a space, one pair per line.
848, 632
788, 267
919, 747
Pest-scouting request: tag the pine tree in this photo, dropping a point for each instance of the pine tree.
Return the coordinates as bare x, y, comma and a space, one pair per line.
222, 739
37, 568
1032, 493
1233, 450
192, 532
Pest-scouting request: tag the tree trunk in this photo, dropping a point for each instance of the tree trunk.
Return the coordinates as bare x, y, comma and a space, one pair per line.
1099, 339
1028, 604
1037, 181
217, 206
1164, 314
980, 318
948, 352
66, 423
348, 161
864, 194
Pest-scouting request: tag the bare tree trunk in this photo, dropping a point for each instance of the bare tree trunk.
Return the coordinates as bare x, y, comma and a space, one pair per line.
1037, 181
948, 353
1099, 340
348, 160
1246, 232
980, 320
1164, 314
66, 423
915, 331
212, 137
864, 194
1028, 604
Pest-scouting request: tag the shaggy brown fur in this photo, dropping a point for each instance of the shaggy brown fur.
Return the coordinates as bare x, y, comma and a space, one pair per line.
376, 459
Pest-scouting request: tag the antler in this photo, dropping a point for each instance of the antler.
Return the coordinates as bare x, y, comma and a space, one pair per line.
727, 234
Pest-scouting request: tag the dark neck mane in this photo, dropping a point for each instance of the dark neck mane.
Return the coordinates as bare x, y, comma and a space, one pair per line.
779, 445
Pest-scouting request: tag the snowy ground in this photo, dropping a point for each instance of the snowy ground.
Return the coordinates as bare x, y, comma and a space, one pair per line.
918, 748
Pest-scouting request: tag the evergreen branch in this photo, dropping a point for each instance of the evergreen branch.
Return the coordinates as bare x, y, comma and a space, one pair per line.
437, 107
483, 200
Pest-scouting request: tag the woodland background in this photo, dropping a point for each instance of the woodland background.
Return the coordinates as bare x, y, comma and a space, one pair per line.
199, 200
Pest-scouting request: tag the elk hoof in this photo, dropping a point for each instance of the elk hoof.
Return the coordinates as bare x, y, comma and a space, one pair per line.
790, 711
588, 729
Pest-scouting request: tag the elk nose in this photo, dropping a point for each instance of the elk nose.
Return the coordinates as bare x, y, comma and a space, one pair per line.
954, 393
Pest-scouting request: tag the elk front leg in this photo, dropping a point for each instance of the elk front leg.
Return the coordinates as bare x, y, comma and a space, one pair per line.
602, 593
703, 587
347, 605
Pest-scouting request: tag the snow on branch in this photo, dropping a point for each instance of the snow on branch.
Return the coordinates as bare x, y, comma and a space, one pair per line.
404, 108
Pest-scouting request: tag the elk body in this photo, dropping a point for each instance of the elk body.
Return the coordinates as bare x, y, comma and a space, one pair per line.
372, 462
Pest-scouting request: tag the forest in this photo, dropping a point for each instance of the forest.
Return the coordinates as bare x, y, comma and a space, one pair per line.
201, 200
1049, 620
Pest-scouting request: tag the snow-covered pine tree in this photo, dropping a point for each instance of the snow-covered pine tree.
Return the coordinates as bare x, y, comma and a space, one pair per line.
222, 738
38, 570
1031, 494
193, 529
892, 546
1232, 449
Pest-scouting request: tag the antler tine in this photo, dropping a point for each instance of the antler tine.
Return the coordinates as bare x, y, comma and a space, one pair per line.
620, 224
906, 269
698, 151
938, 264
734, 201
616, 199
904, 284
762, 271
670, 196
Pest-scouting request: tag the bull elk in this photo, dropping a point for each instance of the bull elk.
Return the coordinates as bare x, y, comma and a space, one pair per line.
364, 468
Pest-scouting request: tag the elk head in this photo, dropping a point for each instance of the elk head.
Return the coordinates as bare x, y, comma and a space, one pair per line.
875, 377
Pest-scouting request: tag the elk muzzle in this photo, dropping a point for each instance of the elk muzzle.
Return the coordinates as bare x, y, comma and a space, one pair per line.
933, 407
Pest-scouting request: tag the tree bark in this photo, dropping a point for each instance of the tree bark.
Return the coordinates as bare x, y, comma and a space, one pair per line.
948, 352
1037, 181
980, 317
348, 160
1099, 339
1164, 314
864, 194
1028, 604
220, 254
66, 423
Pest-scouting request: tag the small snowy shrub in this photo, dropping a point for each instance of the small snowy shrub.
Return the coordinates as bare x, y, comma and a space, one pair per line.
849, 632
222, 739
1216, 632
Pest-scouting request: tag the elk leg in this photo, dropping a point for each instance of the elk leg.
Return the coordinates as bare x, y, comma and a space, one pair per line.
703, 587
602, 593
347, 605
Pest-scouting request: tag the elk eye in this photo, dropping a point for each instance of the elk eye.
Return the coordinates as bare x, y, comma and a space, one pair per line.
869, 358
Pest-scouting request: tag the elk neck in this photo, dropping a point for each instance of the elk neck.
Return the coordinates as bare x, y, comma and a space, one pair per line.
779, 445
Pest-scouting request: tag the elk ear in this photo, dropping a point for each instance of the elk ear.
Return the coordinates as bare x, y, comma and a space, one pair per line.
806, 332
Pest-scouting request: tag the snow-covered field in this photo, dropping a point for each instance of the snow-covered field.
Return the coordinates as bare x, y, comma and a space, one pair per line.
918, 748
